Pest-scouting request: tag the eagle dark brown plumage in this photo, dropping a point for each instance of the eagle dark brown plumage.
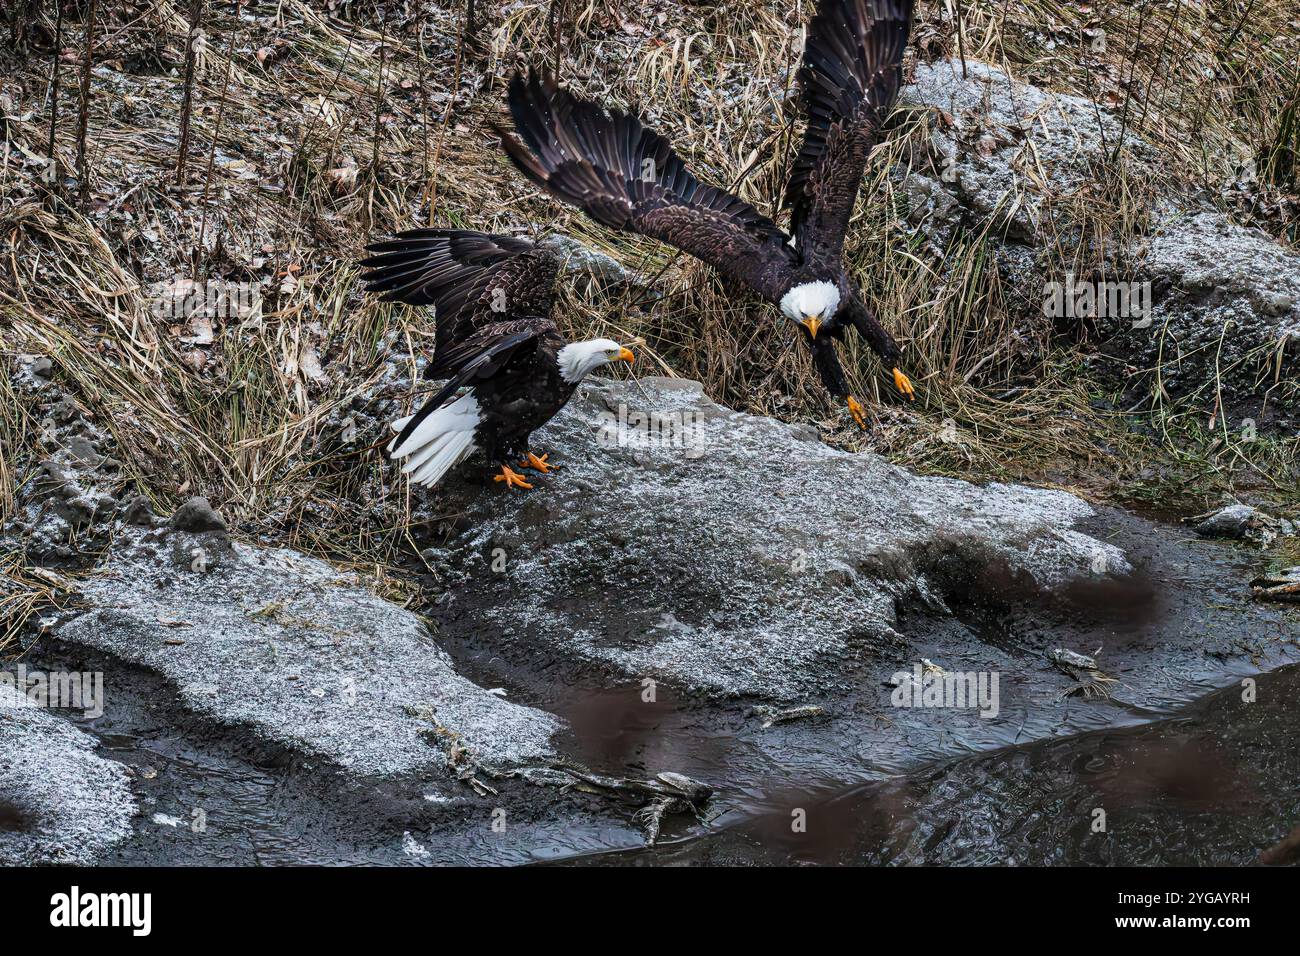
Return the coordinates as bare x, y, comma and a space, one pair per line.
495, 338
628, 177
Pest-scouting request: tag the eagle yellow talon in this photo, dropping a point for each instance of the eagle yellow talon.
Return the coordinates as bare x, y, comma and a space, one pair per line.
856, 410
904, 385
512, 478
539, 464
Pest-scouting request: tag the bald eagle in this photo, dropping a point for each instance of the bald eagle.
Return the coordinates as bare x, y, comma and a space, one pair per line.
628, 177
492, 297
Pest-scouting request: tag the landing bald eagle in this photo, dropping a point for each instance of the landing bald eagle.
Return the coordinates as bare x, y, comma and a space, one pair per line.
628, 177
492, 297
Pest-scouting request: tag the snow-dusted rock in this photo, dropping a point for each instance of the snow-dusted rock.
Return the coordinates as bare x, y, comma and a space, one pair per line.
60, 801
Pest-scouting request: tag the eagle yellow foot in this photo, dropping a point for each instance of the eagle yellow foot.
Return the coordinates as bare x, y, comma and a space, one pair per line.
539, 464
904, 385
511, 478
856, 410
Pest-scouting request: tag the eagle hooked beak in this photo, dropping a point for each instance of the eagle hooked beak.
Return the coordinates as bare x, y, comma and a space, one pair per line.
625, 356
904, 384
812, 324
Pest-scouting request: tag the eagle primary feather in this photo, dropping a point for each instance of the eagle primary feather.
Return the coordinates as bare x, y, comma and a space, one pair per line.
628, 177
848, 81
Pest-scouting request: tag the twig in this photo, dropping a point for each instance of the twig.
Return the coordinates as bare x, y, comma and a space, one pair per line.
54, 86
467, 34
431, 187
51, 179
424, 85
83, 167
1164, 46
187, 100
1232, 38
1128, 93
555, 15
379, 96
212, 150
961, 38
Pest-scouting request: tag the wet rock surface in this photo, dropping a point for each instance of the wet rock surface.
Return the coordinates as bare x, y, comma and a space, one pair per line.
1213, 785
1242, 523
746, 557
195, 516
295, 650
61, 800
738, 558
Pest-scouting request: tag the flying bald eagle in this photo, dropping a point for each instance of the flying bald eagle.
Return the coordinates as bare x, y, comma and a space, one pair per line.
492, 299
628, 177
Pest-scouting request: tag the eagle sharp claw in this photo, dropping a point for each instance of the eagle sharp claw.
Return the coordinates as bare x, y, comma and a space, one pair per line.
539, 464
855, 409
512, 478
904, 385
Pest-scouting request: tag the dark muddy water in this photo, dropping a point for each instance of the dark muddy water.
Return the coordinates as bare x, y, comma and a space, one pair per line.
1212, 784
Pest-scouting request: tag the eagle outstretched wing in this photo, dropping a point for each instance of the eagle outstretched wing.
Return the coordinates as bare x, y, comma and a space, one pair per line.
472, 279
848, 81
628, 177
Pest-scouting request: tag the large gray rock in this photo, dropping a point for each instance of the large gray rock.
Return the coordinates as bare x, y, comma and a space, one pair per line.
1002, 149
1242, 522
595, 274
297, 651
1226, 310
78, 478
743, 555
1224, 314
60, 802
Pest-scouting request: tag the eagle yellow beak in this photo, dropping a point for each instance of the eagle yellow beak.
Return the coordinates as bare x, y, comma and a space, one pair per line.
812, 324
904, 384
626, 356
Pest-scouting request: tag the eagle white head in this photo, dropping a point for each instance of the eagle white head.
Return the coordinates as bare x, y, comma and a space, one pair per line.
579, 359
811, 304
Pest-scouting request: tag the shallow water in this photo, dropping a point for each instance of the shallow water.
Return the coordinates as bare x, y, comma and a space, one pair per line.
1212, 784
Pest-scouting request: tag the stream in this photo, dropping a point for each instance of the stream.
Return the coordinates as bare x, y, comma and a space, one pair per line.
1188, 758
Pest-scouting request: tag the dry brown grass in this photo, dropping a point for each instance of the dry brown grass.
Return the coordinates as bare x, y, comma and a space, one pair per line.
23, 591
293, 104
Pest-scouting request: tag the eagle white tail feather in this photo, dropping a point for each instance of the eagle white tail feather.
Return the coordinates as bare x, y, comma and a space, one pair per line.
417, 461
439, 442
451, 450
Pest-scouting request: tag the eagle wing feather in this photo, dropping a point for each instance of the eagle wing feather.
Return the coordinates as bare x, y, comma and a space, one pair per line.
848, 81
472, 279
485, 354
627, 177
